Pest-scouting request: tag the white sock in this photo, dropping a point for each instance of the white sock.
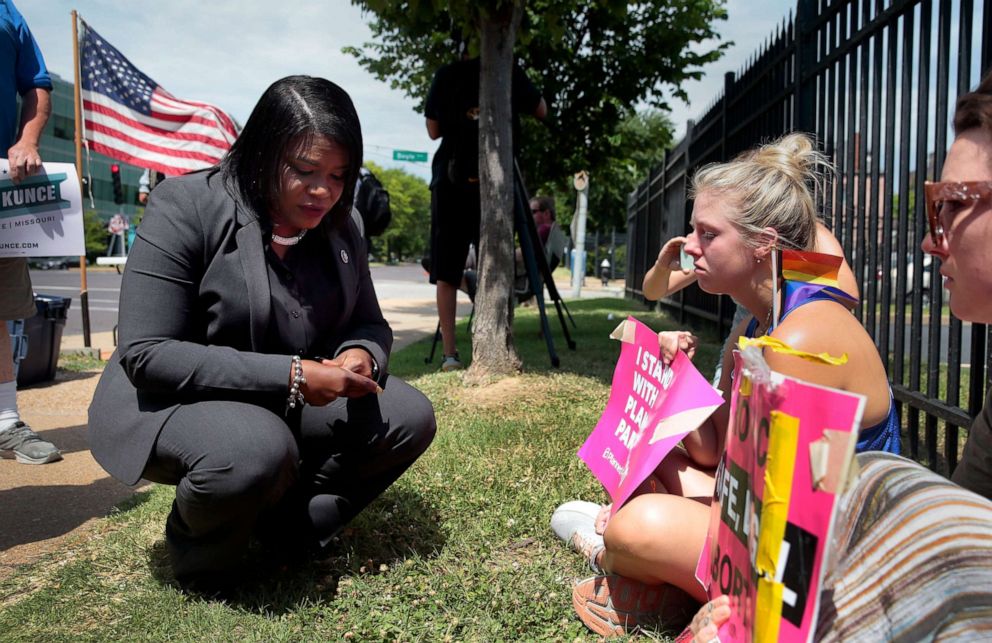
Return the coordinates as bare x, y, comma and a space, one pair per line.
8, 405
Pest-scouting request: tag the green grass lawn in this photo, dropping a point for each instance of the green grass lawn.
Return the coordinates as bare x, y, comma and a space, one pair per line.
458, 549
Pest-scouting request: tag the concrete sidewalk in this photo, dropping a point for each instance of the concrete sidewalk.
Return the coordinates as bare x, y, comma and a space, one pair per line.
410, 320
43, 508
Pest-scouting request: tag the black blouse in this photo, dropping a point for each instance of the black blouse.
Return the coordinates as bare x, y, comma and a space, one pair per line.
305, 291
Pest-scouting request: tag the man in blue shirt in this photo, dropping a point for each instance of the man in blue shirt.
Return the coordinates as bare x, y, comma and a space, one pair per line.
22, 72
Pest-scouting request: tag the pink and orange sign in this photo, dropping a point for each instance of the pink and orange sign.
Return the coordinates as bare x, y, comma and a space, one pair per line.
652, 406
789, 447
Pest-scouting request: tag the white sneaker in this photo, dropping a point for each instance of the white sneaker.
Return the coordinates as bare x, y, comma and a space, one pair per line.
451, 363
575, 523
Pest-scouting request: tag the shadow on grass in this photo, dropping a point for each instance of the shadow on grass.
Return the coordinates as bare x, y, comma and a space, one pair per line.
398, 526
133, 501
595, 353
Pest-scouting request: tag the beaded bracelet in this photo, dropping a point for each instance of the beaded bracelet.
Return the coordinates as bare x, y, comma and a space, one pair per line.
295, 395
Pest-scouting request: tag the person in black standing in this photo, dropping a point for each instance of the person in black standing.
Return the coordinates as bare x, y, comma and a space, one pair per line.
452, 112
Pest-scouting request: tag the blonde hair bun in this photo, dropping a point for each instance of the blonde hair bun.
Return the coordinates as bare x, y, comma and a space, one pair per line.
772, 186
792, 155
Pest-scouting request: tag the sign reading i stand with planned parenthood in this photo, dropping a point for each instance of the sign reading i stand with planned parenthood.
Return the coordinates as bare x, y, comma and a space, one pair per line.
405, 155
652, 406
42, 215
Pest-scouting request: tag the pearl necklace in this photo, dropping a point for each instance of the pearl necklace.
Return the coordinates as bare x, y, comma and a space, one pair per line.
288, 241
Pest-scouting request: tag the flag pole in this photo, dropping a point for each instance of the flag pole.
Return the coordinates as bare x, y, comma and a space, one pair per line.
84, 297
776, 257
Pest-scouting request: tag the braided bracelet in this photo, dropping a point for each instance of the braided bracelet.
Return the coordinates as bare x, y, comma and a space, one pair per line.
295, 394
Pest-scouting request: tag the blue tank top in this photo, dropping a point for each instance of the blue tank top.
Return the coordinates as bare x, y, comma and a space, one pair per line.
884, 436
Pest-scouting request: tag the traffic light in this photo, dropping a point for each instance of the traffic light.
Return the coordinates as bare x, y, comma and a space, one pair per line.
115, 174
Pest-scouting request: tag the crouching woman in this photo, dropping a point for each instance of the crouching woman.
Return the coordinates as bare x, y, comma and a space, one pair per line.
252, 370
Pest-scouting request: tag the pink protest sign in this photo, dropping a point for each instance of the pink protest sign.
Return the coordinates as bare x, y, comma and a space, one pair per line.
652, 406
789, 445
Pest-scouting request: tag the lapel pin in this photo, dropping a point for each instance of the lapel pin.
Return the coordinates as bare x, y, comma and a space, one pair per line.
344, 256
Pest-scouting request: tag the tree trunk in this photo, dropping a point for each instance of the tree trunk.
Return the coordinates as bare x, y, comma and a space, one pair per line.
493, 352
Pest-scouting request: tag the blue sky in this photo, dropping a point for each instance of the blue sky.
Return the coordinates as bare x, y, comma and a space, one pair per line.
226, 52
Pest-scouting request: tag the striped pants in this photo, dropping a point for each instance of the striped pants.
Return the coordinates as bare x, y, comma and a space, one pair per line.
910, 558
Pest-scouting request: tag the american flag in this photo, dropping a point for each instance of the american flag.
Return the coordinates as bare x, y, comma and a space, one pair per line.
129, 117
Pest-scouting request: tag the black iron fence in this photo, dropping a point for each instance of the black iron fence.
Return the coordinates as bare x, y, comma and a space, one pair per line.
875, 81
609, 246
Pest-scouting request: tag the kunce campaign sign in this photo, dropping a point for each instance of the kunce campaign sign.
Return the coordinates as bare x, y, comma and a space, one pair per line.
652, 406
42, 215
789, 450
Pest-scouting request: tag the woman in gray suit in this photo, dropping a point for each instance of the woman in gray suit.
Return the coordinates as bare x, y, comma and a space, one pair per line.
252, 366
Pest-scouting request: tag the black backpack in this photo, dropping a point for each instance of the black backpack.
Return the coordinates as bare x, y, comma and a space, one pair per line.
372, 202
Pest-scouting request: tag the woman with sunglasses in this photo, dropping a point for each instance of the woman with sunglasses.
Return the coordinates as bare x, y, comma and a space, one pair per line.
542, 208
914, 551
959, 209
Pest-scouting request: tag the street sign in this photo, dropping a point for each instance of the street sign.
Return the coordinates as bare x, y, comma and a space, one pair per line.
406, 155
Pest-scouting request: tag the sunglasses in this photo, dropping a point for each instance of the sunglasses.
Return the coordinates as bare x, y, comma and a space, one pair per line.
536, 210
945, 198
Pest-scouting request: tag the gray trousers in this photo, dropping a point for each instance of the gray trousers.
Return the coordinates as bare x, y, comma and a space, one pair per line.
293, 479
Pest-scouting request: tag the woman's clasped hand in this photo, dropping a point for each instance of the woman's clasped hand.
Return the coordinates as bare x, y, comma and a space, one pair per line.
347, 375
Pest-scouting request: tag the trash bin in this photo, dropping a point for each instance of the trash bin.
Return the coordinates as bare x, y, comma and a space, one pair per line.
43, 333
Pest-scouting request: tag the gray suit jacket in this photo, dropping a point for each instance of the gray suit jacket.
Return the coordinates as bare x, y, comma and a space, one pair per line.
194, 309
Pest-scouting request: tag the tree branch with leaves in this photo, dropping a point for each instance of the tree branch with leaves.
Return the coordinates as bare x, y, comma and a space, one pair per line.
596, 62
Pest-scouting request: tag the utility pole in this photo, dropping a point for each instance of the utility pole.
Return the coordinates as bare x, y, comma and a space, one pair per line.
581, 183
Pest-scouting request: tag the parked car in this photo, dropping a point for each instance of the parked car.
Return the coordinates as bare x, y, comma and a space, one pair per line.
910, 283
53, 263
